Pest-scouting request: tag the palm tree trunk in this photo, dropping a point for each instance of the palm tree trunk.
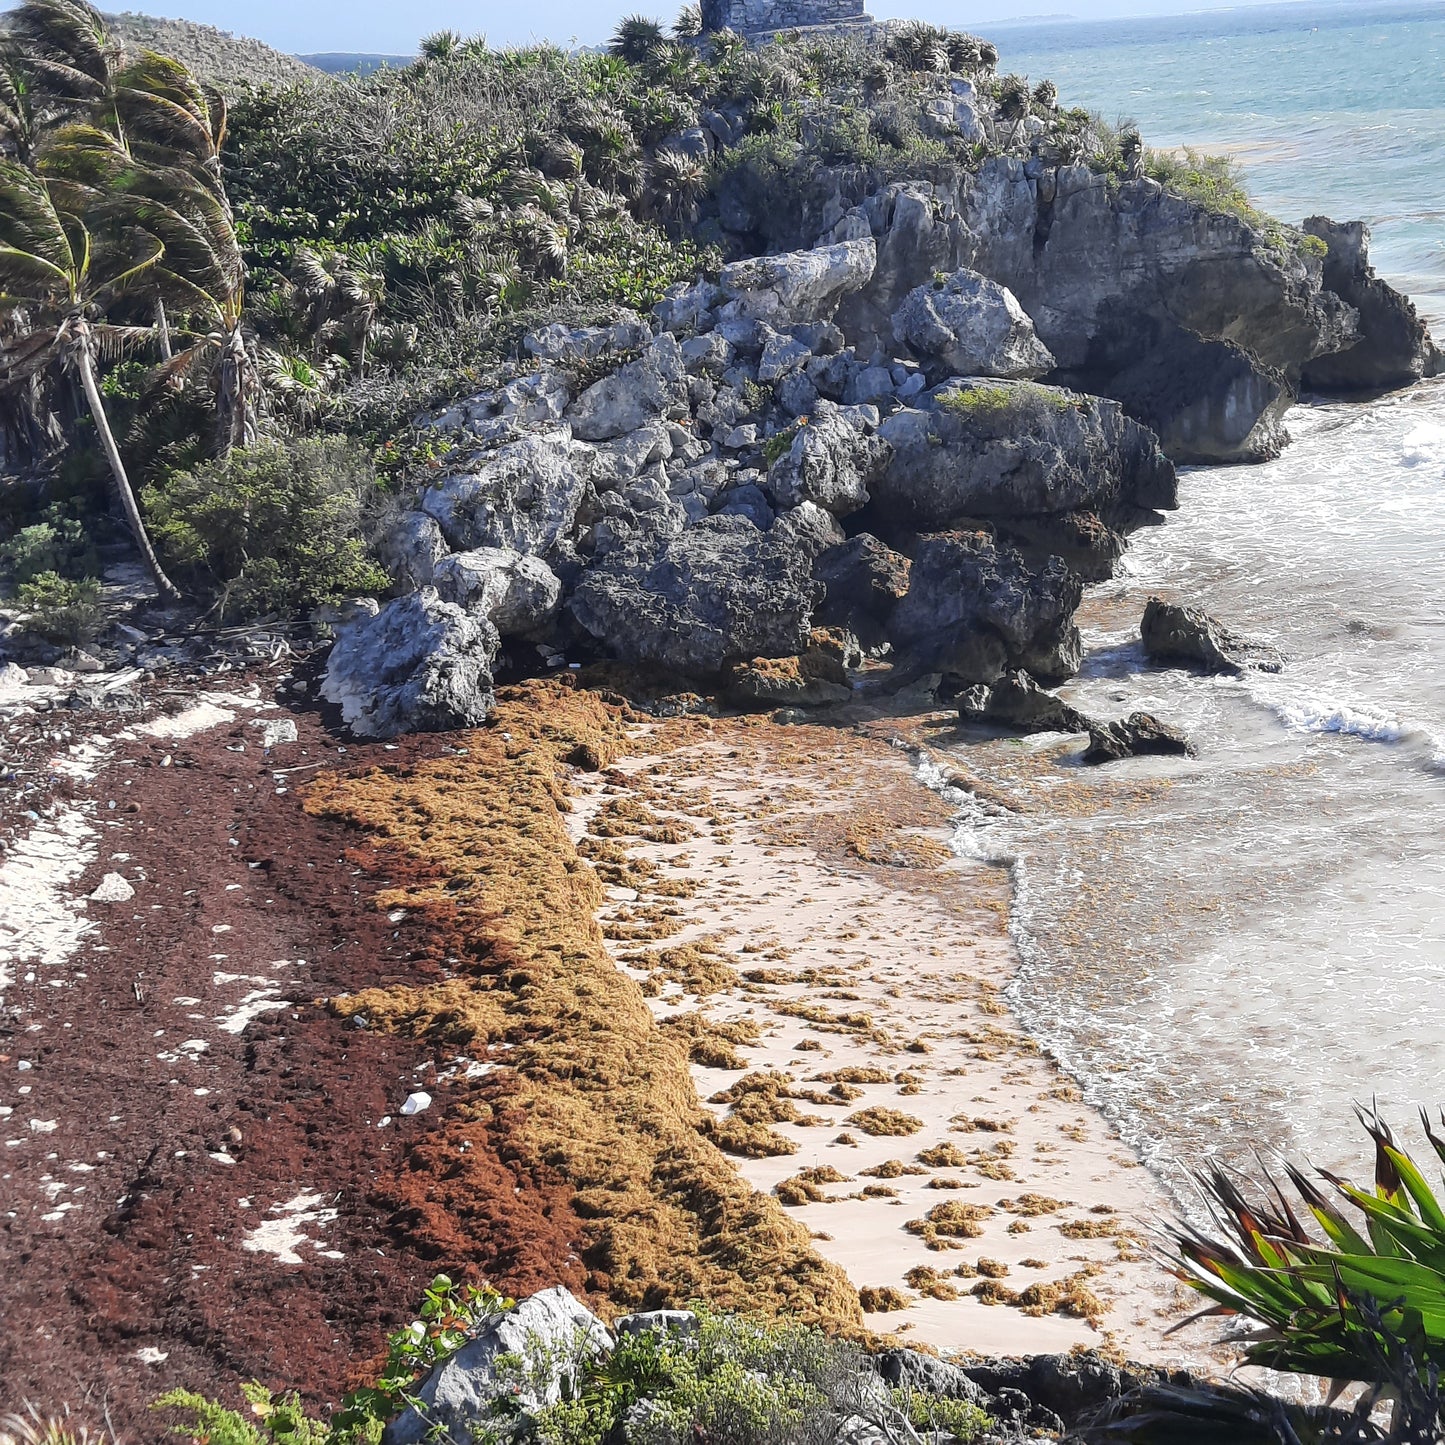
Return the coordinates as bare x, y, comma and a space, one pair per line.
85, 361
163, 330
233, 409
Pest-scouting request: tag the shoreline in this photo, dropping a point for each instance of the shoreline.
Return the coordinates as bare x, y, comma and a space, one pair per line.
232, 1147
913, 941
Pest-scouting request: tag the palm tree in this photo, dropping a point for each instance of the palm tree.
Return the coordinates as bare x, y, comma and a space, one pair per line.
679, 182
1015, 102
444, 45
64, 47
64, 277
635, 38
688, 25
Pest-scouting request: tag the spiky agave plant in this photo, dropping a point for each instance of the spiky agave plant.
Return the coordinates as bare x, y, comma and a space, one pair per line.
1337, 1301
635, 38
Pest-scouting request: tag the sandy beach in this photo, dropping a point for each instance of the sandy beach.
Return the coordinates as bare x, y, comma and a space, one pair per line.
807, 908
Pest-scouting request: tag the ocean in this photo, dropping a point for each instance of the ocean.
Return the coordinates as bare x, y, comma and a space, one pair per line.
1229, 952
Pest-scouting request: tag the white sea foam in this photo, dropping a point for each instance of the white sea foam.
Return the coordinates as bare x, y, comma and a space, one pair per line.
1423, 444
1313, 716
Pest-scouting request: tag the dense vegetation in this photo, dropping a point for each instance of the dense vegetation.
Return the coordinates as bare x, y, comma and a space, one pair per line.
331, 254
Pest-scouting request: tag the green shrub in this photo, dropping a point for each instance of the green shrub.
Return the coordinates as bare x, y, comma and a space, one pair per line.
1314, 246
62, 609
273, 529
56, 543
1214, 182
1006, 408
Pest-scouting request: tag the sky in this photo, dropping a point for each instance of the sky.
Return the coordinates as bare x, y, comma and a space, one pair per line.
385, 27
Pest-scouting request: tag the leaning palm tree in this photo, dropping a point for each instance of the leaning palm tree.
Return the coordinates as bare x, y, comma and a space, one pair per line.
65, 49
64, 277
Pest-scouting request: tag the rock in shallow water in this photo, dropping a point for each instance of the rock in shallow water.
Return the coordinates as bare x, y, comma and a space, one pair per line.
419, 665
1135, 736
1189, 634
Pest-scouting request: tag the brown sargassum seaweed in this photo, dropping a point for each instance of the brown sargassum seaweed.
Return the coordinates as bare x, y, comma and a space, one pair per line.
590, 1088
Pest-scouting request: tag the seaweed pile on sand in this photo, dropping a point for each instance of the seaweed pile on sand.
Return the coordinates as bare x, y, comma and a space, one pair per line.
584, 1084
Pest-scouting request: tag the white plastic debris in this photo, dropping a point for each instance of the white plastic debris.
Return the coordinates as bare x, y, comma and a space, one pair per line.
416, 1102
113, 889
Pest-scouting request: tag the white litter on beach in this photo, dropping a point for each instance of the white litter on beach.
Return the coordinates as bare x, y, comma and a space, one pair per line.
416, 1102
284, 1235
264, 1000
187, 723
113, 889
149, 1355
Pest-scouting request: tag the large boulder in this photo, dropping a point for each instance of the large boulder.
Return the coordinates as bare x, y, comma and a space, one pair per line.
419, 665
515, 593
547, 1339
719, 592
1394, 348
1172, 632
653, 386
835, 455
797, 287
411, 547
1014, 452
968, 325
524, 495
975, 609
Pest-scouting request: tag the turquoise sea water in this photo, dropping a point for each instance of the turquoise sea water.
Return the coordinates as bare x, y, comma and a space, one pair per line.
1229, 951
1336, 108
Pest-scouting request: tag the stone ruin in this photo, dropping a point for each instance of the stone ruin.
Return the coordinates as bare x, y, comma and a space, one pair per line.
758, 19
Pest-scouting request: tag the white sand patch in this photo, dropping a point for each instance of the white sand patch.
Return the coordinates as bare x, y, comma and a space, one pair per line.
286, 1233
895, 975
256, 1003
40, 922
187, 723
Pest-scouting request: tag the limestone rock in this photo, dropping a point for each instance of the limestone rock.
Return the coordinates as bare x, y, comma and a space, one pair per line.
1003, 450
928, 1375
718, 592
569, 345
551, 1332
1134, 736
975, 609
1017, 701
798, 286
524, 496
663, 1322
411, 547
971, 326
1394, 346
863, 581
420, 665
113, 888
834, 457
815, 678
516, 594
1176, 633
652, 386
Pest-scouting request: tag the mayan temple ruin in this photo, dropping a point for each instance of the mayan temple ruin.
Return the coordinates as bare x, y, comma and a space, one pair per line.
755, 18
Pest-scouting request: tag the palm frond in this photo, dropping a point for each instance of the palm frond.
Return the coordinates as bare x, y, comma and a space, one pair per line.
33, 239
66, 48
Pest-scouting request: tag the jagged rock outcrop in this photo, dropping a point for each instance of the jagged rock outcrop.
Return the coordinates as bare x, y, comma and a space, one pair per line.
419, 665
1175, 633
968, 325
1394, 348
515, 593
975, 609
721, 591
1137, 735
834, 458
798, 287
1017, 701
1051, 468
863, 583
523, 496
411, 547
653, 385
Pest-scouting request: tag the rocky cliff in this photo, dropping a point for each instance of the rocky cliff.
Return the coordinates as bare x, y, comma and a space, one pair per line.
915, 440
